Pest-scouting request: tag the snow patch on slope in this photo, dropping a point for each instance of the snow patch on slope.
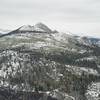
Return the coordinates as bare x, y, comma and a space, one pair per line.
93, 92
26, 28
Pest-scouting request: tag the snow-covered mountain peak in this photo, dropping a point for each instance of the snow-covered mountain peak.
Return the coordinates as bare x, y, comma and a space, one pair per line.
26, 28
42, 27
39, 27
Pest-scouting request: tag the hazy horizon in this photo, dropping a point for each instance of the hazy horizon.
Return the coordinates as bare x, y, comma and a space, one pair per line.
80, 17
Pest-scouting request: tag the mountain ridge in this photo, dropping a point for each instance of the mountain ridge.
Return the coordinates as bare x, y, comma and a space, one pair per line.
59, 65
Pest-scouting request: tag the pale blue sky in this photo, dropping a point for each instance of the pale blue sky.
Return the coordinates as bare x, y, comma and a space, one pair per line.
76, 16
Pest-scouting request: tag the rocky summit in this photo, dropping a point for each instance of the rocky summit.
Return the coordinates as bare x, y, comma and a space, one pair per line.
37, 63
